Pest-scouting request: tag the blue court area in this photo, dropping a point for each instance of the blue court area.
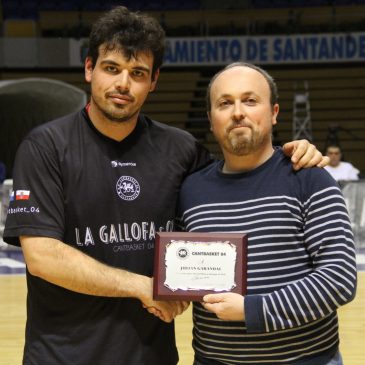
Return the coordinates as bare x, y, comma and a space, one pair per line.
11, 262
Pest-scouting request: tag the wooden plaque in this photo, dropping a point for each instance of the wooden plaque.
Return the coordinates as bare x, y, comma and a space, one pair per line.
187, 263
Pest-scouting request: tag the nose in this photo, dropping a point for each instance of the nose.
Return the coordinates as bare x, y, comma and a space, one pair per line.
123, 82
238, 111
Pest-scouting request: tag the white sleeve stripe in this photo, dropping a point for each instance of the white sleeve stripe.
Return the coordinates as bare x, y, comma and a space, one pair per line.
329, 277
291, 308
306, 320
313, 298
335, 188
266, 312
329, 293
329, 214
283, 308
320, 295
325, 224
276, 311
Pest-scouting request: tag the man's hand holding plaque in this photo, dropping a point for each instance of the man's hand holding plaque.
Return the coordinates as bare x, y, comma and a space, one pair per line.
226, 306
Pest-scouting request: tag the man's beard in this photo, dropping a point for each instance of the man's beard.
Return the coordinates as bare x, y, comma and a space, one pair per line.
243, 142
112, 115
239, 144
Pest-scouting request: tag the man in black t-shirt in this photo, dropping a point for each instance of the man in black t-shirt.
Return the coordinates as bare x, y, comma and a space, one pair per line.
90, 191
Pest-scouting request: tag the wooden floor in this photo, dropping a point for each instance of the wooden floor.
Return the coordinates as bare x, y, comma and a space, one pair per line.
12, 319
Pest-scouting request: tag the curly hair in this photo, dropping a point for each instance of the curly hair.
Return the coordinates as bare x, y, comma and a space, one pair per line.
129, 32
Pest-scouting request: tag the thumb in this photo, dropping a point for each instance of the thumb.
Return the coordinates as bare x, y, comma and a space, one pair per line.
213, 298
288, 148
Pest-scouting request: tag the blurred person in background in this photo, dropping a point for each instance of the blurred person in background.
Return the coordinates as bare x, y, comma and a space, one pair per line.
340, 170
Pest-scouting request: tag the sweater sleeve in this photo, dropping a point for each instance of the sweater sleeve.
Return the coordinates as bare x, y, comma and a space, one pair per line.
331, 281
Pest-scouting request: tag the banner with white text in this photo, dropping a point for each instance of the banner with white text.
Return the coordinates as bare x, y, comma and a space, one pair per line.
281, 49
278, 49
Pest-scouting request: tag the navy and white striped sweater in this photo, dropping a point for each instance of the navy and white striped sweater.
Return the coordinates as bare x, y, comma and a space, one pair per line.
301, 261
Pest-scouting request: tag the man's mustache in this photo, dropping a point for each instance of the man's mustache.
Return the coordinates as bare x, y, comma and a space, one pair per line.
121, 94
238, 125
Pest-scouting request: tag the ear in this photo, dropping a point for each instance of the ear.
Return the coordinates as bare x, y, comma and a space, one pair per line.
88, 69
154, 80
210, 121
275, 112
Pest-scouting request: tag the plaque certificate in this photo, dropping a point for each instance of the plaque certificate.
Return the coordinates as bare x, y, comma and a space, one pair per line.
190, 265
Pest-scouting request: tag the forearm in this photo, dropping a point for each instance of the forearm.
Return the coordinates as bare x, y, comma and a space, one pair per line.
65, 266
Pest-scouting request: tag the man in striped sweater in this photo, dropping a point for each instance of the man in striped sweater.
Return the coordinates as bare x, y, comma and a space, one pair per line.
301, 255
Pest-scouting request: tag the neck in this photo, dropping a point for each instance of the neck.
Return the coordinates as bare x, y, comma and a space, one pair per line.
234, 164
111, 129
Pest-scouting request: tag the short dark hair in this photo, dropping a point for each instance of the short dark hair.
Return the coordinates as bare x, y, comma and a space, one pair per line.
272, 85
333, 145
131, 32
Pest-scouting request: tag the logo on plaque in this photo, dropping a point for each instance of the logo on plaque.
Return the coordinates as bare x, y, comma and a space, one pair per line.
182, 253
128, 188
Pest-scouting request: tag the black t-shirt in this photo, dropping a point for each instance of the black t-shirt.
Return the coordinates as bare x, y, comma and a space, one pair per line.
107, 199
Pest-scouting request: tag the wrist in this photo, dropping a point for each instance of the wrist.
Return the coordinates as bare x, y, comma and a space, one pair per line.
143, 288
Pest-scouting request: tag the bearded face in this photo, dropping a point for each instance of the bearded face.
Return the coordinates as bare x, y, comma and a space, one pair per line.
241, 114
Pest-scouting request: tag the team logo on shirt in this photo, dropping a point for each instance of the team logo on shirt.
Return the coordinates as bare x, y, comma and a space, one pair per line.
128, 188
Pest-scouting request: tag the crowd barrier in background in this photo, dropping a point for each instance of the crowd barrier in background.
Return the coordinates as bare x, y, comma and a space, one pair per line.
354, 194
5, 191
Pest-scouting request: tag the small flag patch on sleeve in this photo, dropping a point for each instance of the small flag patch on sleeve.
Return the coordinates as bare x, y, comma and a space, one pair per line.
22, 195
